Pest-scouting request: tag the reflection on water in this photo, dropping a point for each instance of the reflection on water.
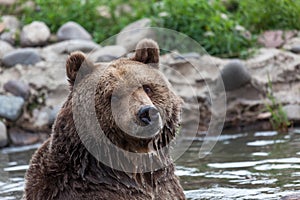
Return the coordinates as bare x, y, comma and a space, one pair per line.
13, 164
261, 165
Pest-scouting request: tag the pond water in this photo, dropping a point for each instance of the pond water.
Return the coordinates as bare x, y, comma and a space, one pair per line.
259, 165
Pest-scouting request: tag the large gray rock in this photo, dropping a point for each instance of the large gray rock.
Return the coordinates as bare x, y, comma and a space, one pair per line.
275, 38
295, 49
108, 53
5, 47
12, 25
134, 32
11, 22
72, 30
3, 135
35, 34
50, 76
292, 112
71, 46
21, 56
281, 66
9, 36
17, 88
19, 137
235, 75
295, 41
11, 107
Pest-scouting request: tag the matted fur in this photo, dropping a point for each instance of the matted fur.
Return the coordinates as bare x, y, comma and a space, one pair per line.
62, 168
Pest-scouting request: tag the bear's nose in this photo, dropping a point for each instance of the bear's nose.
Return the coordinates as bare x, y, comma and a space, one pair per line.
148, 114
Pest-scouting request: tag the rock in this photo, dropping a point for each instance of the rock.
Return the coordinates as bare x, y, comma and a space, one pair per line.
292, 112
9, 36
104, 11
5, 47
7, 2
2, 27
108, 53
72, 30
57, 97
264, 115
133, 33
24, 56
105, 58
53, 114
291, 197
243, 31
247, 92
275, 39
184, 56
44, 117
281, 66
35, 34
71, 46
295, 41
19, 137
12, 25
11, 107
295, 49
25, 6
235, 75
53, 39
49, 76
3, 135
41, 118
123, 9
17, 88
11, 22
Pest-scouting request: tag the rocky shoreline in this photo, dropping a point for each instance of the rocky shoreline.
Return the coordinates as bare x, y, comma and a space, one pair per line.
33, 84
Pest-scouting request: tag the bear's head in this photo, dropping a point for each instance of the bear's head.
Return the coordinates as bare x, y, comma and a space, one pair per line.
131, 99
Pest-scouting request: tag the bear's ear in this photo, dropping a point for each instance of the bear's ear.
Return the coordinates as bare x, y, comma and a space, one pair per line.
76, 61
147, 51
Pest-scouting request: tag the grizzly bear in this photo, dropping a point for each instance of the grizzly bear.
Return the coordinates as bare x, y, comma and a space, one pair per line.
123, 154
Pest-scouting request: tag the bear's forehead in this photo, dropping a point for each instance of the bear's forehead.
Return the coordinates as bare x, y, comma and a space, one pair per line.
130, 72
126, 67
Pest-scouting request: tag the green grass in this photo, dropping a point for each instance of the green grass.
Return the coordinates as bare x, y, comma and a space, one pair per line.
278, 118
211, 23
258, 15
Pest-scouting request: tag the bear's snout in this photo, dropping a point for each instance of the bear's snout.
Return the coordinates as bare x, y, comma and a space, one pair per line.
150, 122
148, 115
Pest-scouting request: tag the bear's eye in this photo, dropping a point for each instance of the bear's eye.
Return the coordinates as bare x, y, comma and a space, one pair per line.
147, 89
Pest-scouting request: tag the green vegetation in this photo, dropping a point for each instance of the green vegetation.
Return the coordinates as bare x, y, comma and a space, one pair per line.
278, 118
220, 26
259, 15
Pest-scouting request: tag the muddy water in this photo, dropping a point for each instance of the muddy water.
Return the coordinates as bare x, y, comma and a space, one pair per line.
260, 165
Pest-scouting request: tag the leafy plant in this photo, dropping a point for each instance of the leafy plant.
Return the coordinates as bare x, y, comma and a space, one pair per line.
259, 15
278, 118
206, 23
217, 25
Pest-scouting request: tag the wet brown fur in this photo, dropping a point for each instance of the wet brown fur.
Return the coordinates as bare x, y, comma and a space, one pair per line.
62, 168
